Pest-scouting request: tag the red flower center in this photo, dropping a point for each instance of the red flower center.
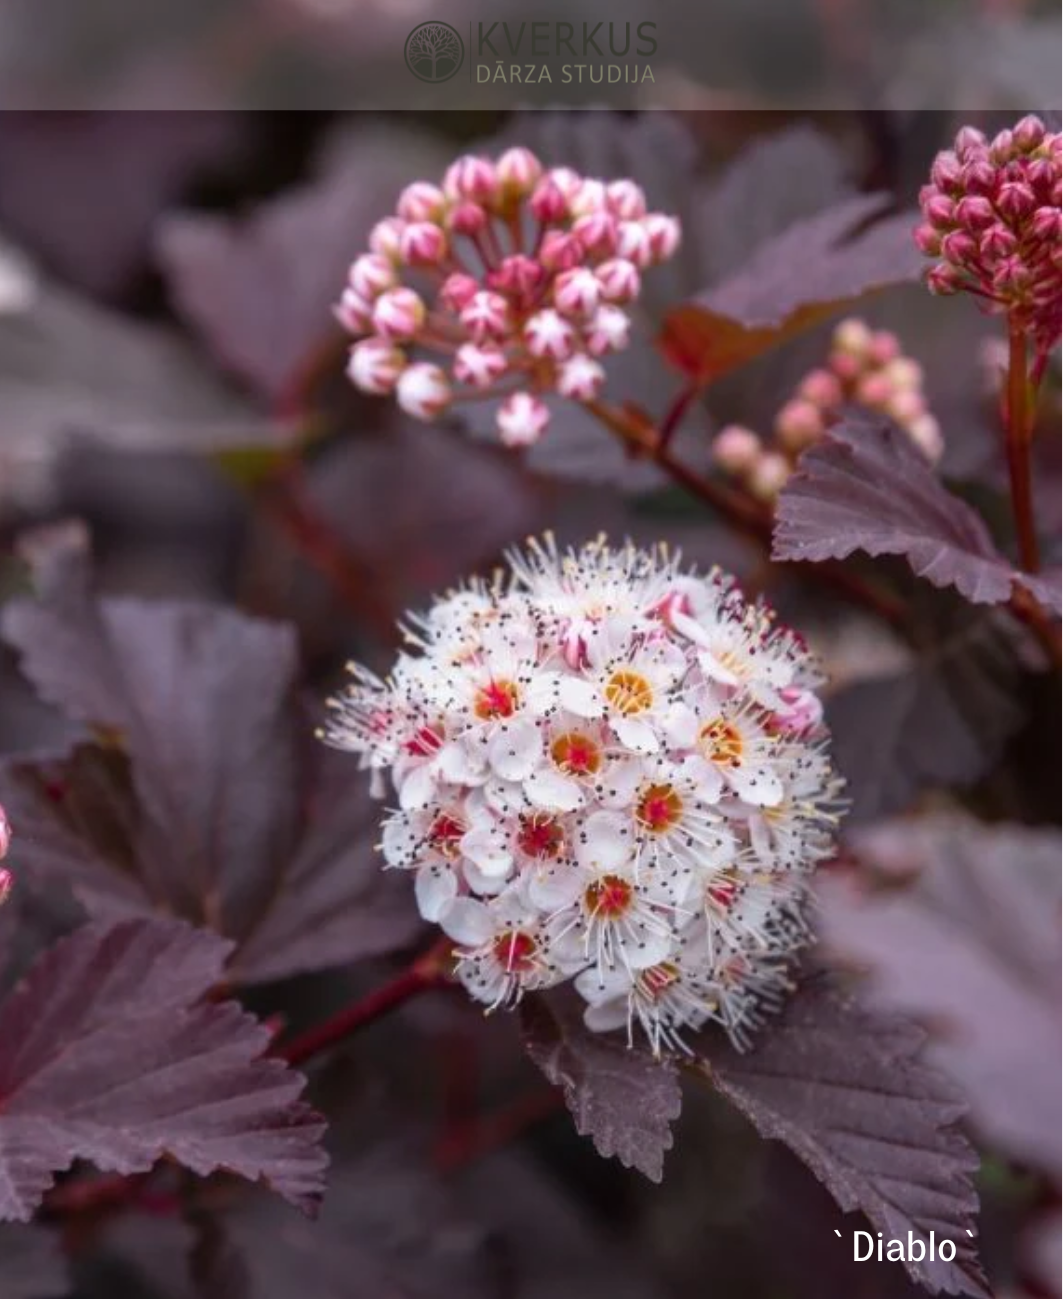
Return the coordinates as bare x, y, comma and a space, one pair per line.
516, 951
540, 836
659, 808
445, 834
496, 700
609, 897
576, 754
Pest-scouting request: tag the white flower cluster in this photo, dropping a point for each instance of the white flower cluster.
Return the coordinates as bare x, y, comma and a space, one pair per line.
611, 770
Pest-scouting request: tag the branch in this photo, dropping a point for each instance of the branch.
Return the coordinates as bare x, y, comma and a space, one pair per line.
1018, 432
428, 971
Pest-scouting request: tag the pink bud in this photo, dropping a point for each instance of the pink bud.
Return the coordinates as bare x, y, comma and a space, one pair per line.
608, 330
479, 364
1043, 175
385, 236
874, 390
846, 366
354, 312
975, 212
969, 140
486, 316
945, 171
568, 181
1002, 147
399, 314
577, 292
1028, 132
518, 170
978, 177
517, 276
456, 291
884, 347
798, 424
768, 475
7, 883
821, 388
421, 202
927, 240
663, 233
1045, 224
904, 374
619, 279
473, 178
423, 244
375, 365
1016, 200
548, 203
467, 219
588, 199
626, 200
736, 449
958, 247
5, 833
944, 279
549, 335
853, 336
580, 378
905, 406
1010, 275
997, 242
925, 432
422, 390
371, 274
938, 209
596, 232
633, 244
560, 251
801, 712
522, 420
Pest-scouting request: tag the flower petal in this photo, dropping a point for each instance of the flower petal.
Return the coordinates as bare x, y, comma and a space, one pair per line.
515, 749
435, 888
468, 922
548, 788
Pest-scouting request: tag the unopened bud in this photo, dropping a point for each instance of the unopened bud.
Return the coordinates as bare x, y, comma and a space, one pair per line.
580, 378
798, 424
422, 390
768, 476
736, 449
423, 244
479, 365
375, 365
620, 280
421, 202
522, 420
399, 314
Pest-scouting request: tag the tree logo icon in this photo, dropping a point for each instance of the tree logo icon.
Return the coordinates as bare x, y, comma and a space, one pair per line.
434, 51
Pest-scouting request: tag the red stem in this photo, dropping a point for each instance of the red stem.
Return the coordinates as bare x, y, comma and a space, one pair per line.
1018, 428
497, 1129
426, 972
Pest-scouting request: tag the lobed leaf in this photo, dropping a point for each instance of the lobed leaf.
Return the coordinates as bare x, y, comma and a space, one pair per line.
218, 807
941, 723
964, 934
624, 1100
844, 1090
109, 1053
791, 282
867, 487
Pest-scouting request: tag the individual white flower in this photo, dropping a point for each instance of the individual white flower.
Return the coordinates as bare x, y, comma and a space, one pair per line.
505, 949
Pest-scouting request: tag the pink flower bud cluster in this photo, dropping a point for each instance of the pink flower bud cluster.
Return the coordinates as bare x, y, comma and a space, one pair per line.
521, 277
992, 223
6, 878
864, 367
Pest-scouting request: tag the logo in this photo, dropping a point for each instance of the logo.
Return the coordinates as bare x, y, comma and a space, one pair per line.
434, 52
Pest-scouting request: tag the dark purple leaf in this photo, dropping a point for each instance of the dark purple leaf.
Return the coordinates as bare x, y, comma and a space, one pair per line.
868, 487
387, 1227
125, 168
970, 946
623, 1099
941, 723
108, 1053
792, 282
219, 806
32, 1264
844, 1090
261, 289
